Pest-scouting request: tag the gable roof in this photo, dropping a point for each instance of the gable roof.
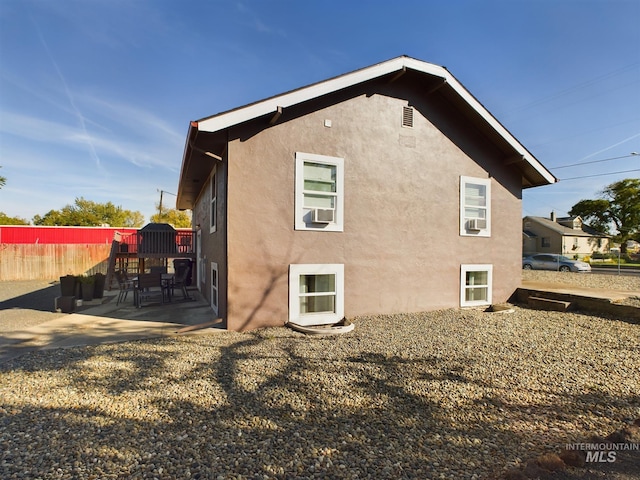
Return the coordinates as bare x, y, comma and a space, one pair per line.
533, 172
585, 231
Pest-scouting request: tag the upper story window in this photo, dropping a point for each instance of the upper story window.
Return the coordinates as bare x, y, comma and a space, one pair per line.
475, 206
213, 215
319, 192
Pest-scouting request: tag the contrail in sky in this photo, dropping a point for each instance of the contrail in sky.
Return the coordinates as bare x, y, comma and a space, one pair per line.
76, 110
611, 146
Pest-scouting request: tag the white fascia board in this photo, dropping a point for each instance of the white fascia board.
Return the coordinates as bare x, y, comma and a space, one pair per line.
270, 105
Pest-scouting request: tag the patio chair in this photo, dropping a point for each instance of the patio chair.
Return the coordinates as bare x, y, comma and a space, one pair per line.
149, 285
125, 285
181, 282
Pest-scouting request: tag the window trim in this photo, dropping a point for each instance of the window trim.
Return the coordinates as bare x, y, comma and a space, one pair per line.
464, 269
215, 288
464, 231
213, 202
200, 265
295, 271
300, 211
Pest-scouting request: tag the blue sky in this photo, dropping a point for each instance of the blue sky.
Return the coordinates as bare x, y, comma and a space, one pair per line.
96, 96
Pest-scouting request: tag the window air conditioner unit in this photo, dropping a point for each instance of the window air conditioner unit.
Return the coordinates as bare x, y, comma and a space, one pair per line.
323, 215
477, 224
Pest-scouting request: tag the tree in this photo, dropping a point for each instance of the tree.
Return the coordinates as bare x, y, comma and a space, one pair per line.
6, 220
177, 218
3, 181
618, 205
593, 212
86, 213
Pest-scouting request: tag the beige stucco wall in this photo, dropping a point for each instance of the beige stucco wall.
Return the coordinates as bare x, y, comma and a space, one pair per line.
401, 245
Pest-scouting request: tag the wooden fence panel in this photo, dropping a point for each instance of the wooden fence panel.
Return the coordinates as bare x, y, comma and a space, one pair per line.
49, 262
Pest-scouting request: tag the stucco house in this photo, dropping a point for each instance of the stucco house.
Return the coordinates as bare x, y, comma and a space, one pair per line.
387, 189
568, 236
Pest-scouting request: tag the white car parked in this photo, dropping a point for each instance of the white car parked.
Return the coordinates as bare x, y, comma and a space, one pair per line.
553, 261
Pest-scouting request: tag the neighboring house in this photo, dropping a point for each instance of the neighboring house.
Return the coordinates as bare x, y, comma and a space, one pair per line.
566, 235
633, 246
387, 189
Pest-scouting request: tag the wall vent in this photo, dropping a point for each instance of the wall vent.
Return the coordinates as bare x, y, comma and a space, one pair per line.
407, 117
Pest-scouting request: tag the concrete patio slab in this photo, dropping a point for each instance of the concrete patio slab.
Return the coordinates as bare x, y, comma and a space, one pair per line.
102, 321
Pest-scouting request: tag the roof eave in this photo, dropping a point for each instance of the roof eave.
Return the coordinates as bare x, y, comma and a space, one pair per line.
537, 175
183, 203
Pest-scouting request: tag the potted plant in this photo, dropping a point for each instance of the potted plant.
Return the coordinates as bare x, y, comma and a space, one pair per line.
98, 291
68, 286
87, 283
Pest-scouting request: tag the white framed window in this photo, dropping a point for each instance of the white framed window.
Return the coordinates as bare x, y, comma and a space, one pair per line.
475, 285
475, 206
213, 212
316, 293
319, 192
214, 287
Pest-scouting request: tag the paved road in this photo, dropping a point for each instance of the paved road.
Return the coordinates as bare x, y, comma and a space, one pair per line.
635, 272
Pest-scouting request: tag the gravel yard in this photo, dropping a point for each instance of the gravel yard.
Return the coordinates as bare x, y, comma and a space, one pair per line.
447, 394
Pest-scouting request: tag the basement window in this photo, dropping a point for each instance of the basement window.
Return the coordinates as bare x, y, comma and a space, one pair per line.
214, 287
475, 285
316, 294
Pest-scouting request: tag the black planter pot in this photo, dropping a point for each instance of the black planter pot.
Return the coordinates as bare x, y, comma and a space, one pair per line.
98, 288
68, 286
87, 284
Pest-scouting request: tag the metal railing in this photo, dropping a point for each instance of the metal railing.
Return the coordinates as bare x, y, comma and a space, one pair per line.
159, 244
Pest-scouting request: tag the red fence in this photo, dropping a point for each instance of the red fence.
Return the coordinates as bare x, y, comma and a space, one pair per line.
28, 234
28, 252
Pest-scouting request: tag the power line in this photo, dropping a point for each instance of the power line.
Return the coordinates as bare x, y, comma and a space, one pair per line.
584, 132
573, 88
633, 154
599, 175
